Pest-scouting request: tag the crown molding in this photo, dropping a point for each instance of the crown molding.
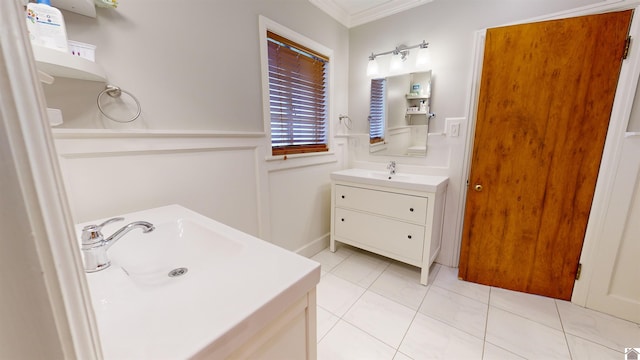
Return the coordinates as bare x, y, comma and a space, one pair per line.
375, 12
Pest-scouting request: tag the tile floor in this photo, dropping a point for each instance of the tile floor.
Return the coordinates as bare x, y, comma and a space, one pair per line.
371, 307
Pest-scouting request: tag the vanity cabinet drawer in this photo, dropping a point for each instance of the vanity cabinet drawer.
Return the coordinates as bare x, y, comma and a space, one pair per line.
400, 206
390, 236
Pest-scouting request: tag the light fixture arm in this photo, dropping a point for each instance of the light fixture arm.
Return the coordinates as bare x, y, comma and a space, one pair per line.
402, 50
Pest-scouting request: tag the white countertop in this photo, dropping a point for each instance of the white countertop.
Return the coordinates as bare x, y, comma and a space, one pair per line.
428, 183
217, 308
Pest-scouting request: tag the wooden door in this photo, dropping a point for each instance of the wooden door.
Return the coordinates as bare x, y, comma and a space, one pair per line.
545, 100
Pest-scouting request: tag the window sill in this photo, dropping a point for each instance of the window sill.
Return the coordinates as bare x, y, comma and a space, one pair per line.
301, 155
300, 160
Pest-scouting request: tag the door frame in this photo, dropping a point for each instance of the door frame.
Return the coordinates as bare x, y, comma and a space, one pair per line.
620, 115
40, 204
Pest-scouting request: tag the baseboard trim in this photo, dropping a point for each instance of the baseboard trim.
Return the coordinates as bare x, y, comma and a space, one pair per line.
314, 247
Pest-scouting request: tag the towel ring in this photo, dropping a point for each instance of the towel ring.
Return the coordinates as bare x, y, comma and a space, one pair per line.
116, 92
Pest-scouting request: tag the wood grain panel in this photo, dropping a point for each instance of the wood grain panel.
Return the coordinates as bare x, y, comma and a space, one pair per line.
546, 95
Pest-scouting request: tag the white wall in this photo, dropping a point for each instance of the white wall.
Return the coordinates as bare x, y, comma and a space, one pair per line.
192, 64
200, 142
448, 26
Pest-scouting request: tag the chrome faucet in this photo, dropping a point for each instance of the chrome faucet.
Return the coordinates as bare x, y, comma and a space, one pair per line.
94, 245
392, 167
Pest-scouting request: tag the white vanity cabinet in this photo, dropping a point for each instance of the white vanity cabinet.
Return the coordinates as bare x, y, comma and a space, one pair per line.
242, 297
402, 224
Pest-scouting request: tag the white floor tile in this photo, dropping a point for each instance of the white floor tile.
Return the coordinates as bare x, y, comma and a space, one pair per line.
329, 260
525, 337
401, 356
345, 250
448, 279
533, 307
397, 318
384, 319
586, 350
492, 352
361, 268
456, 310
337, 295
428, 338
401, 283
345, 341
597, 327
326, 321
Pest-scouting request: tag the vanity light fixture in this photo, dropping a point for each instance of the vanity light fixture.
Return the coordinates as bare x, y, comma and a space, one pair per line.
399, 56
372, 66
397, 59
423, 59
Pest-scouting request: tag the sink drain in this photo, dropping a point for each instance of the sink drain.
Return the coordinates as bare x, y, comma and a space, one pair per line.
178, 272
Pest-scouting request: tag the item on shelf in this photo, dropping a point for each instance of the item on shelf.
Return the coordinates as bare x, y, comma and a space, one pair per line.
84, 50
106, 3
423, 105
46, 26
416, 89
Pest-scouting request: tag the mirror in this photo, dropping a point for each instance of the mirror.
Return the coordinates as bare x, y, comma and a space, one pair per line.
399, 113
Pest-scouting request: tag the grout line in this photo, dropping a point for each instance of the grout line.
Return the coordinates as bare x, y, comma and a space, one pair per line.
564, 333
506, 350
330, 328
528, 319
368, 288
486, 322
583, 338
458, 293
358, 299
417, 310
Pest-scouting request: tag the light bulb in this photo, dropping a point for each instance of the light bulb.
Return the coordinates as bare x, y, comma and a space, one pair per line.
423, 59
396, 62
372, 67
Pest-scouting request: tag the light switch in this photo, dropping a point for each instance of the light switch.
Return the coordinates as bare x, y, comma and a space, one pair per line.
453, 128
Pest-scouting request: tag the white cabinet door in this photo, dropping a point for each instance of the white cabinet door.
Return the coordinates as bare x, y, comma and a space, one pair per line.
400, 206
395, 239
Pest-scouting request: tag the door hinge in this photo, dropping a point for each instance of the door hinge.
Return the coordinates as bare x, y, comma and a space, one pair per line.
578, 271
627, 45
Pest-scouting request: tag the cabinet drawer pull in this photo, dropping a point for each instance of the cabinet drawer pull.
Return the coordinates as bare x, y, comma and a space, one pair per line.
409, 236
343, 196
411, 209
342, 219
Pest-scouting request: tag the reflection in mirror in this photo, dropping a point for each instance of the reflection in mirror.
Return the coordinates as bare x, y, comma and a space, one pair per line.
399, 113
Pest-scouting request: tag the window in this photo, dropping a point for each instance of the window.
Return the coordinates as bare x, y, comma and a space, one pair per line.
377, 111
297, 97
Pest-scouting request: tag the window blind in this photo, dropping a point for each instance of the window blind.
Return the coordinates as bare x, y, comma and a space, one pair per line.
297, 97
377, 111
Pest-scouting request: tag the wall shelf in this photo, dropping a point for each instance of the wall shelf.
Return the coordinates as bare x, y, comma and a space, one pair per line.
82, 7
416, 97
59, 64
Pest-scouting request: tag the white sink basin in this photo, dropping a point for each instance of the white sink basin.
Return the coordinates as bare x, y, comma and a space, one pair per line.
428, 183
177, 244
234, 282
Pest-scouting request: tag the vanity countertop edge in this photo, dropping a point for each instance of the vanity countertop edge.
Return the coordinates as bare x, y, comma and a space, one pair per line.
406, 181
